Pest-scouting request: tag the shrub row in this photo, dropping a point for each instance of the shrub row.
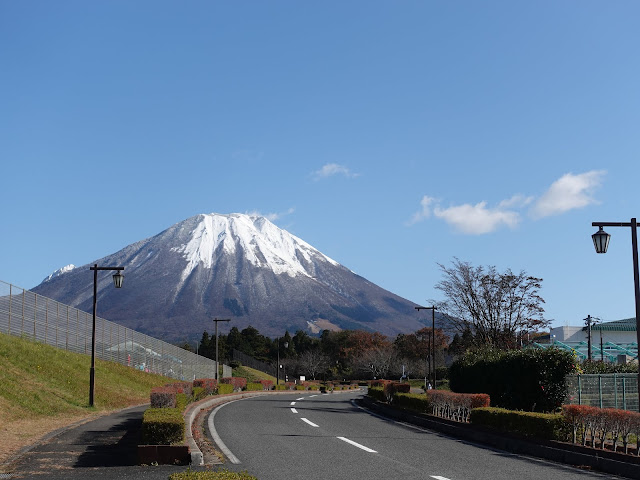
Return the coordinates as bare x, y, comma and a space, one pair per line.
456, 406
547, 426
598, 424
238, 383
254, 387
210, 385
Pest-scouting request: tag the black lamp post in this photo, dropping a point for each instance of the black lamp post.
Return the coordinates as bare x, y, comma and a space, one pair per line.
118, 278
286, 345
433, 332
601, 243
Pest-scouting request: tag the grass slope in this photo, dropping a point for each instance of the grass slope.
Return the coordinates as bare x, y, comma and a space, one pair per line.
252, 375
43, 388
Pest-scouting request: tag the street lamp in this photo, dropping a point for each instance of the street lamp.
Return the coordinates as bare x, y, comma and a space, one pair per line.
118, 278
286, 345
433, 331
216, 320
601, 243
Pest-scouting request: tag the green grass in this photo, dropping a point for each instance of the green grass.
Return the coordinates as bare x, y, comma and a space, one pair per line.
38, 380
252, 375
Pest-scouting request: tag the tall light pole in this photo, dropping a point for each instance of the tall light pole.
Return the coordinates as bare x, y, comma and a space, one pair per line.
118, 278
601, 243
216, 320
433, 332
286, 345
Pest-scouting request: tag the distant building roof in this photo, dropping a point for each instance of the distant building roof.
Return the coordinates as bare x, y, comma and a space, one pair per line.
626, 325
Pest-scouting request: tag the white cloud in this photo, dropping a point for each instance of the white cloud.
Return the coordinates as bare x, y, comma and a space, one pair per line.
470, 219
516, 201
567, 193
272, 217
331, 169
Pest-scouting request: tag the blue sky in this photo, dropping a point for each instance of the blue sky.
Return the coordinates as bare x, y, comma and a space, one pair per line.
392, 136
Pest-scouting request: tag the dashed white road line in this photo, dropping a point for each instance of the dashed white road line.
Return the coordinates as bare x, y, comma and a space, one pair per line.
294, 410
293, 403
309, 422
438, 478
311, 396
301, 398
355, 444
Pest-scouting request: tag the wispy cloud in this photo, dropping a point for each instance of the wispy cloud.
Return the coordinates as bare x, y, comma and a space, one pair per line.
332, 169
470, 219
272, 217
567, 193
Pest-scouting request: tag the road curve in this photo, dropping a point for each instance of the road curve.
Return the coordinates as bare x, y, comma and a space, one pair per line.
328, 436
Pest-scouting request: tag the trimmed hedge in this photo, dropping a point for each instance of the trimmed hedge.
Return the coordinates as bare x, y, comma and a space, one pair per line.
267, 384
254, 387
238, 383
377, 393
546, 426
162, 397
281, 387
162, 426
600, 424
198, 393
219, 475
210, 385
182, 387
225, 388
413, 401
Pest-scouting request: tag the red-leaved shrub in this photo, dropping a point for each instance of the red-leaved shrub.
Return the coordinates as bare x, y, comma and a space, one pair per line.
210, 385
163, 397
238, 382
267, 384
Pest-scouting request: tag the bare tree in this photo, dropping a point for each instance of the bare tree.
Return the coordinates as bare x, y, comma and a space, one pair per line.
312, 362
378, 361
493, 305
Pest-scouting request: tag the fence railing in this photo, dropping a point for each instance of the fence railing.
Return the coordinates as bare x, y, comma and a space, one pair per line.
615, 390
26, 314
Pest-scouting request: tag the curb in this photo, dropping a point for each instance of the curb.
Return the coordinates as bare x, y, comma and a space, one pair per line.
576, 455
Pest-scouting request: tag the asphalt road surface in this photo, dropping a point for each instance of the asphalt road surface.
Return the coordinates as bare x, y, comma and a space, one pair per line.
329, 436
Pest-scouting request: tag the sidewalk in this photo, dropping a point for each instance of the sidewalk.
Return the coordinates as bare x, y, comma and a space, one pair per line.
105, 448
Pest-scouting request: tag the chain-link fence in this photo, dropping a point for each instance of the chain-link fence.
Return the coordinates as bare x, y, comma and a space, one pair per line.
615, 390
29, 315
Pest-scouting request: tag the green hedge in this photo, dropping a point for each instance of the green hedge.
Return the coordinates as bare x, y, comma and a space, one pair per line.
413, 401
377, 393
224, 388
182, 400
162, 426
198, 393
219, 475
254, 387
547, 426
281, 387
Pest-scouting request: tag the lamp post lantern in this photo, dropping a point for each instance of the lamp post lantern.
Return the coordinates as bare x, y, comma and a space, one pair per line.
601, 243
433, 332
118, 278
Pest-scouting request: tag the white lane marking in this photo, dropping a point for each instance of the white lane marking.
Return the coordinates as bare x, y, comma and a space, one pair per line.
293, 403
309, 422
366, 449
294, 410
216, 438
311, 396
438, 478
301, 398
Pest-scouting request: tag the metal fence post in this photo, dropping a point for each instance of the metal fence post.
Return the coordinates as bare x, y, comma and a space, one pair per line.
624, 393
579, 389
615, 389
600, 389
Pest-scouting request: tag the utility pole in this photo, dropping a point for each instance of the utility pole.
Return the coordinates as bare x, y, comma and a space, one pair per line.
216, 320
433, 331
588, 320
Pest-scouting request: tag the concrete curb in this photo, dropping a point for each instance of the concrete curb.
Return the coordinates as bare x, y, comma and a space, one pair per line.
576, 455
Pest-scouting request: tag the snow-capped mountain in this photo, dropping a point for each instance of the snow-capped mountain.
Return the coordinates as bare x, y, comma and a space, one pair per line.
234, 266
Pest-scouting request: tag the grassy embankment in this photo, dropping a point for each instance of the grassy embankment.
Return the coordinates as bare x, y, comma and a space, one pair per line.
43, 388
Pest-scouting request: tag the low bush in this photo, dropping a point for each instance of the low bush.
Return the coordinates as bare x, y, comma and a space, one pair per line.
456, 406
162, 397
266, 384
377, 393
281, 387
182, 400
238, 383
225, 388
546, 426
182, 387
162, 426
413, 401
210, 385
254, 387
198, 393
223, 474
300, 387
599, 424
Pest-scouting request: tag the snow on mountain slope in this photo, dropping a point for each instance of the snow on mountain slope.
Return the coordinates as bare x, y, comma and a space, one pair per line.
263, 244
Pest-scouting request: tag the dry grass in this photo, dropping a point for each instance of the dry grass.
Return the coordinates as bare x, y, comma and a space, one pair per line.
43, 388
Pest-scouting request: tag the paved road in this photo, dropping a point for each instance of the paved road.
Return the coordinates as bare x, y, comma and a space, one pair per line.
328, 436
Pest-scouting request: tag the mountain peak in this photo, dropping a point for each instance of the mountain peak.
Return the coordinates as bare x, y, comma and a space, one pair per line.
263, 244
